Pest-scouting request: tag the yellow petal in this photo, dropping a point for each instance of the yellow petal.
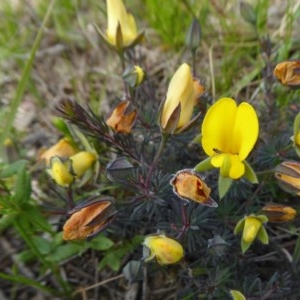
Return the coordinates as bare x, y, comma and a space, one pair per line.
217, 127
245, 131
181, 90
166, 250
237, 168
251, 228
82, 161
230, 129
117, 14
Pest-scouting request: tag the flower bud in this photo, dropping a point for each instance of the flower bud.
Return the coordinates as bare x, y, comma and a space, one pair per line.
288, 176
176, 112
89, 219
133, 76
123, 117
252, 229
188, 185
296, 136
82, 161
64, 148
121, 32
61, 171
165, 250
119, 170
278, 213
193, 36
288, 73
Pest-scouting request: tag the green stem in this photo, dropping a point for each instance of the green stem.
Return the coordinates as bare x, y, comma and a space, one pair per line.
266, 172
16, 101
122, 58
28, 282
26, 237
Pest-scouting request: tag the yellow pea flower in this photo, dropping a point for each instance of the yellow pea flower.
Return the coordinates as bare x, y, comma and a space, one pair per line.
63, 148
229, 132
82, 161
61, 171
177, 110
121, 29
252, 228
164, 249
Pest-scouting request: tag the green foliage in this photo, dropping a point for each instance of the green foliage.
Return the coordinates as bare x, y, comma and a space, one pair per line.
113, 257
167, 23
238, 52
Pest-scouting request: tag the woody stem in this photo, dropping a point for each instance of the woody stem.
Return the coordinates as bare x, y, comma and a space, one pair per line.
161, 147
185, 221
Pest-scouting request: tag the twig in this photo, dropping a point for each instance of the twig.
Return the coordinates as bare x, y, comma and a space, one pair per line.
82, 289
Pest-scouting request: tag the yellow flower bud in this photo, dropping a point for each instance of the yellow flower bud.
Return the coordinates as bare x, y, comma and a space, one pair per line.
61, 171
122, 118
89, 219
164, 249
188, 185
133, 75
82, 161
178, 107
278, 213
121, 29
297, 139
63, 148
251, 227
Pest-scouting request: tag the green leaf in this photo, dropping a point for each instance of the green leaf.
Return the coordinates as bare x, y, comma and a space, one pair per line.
296, 254
236, 295
101, 242
262, 235
22, 186
224, 184
239, 226
6, 221
248, 13
111, 259
44, 246
64, 252
296, 125
249, 173
27, 282
197, 139
204, 165
13, 168
244, 245
35, 218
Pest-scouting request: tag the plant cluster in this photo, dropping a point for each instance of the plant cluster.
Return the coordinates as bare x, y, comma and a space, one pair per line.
180, 196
